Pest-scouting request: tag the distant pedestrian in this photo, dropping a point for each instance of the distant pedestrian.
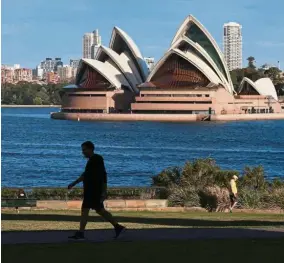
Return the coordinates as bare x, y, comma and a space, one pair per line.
20, 195
233, 192
94, 180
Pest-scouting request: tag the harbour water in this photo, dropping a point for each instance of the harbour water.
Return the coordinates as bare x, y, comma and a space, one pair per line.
40, 151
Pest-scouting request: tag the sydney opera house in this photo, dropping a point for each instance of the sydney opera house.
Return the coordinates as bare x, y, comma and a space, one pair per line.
191, 78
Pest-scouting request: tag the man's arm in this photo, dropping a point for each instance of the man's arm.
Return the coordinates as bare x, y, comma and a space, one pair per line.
79, 180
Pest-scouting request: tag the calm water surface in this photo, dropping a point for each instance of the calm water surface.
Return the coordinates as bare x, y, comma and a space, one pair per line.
39, 151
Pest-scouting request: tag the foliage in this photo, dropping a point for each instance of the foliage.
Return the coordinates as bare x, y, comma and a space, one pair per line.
203, 183
31, 94
186, 195
251, 62
273, 73
254, 73
77, 193
254, 178
214, 198
167, 177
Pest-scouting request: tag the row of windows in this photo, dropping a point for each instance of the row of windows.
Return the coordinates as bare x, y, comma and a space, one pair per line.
175, 95
240, 103
82, 111
176, 102
253, 111
171, 112
86, 95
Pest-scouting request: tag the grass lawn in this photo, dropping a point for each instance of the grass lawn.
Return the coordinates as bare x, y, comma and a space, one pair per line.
67, 220
238, 250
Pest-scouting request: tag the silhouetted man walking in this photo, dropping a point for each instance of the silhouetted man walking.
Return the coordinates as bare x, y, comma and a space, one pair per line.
94, 181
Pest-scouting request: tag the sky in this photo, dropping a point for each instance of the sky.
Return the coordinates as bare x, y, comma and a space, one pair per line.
35, 29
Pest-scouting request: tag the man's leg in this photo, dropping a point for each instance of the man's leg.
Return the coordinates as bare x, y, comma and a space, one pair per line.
84, 219
79, 235
234, 204
107, 216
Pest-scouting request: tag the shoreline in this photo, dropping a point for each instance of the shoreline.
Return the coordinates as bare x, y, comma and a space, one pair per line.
163, 117
30, 106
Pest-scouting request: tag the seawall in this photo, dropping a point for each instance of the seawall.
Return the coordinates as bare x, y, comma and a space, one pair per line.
124, 117
30, 106
248, 117
163, 117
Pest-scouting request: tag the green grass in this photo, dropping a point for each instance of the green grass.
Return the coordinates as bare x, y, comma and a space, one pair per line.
67, 220
244, 250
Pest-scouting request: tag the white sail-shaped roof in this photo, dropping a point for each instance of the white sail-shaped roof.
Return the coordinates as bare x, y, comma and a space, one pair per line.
196, 32
111, 73
120, 62
263, 86
128, 46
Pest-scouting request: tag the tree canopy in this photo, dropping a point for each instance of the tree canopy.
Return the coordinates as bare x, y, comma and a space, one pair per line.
31, 94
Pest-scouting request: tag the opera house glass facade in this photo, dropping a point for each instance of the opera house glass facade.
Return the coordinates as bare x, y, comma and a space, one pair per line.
191, 78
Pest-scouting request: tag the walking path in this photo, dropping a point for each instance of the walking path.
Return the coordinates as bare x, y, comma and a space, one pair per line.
44, 237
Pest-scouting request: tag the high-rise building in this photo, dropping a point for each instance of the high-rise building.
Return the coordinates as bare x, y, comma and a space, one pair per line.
74, 63
150, 62
38, 73
49, 64
91, 43
65, 73
233, 44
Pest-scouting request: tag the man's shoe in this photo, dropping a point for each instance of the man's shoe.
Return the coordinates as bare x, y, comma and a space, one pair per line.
78, 236
119, 230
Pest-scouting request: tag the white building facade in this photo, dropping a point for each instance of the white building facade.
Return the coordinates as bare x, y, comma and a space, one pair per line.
91, 43
150, 62
233, 45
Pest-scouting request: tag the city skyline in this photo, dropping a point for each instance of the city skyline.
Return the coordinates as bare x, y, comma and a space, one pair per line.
35, 23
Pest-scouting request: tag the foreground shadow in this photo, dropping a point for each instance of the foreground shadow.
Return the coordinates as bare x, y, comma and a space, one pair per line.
226, 222
152, 234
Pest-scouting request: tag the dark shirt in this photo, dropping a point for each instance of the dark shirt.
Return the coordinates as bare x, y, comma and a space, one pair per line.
95, 177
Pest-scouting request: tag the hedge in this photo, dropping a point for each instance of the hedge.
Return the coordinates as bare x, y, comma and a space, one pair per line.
77, 193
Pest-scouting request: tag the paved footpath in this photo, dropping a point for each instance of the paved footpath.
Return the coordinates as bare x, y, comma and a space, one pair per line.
48, 237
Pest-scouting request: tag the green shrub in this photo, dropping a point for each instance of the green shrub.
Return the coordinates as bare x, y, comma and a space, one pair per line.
274, 199
251, 199
167, 177
214, 198
185, 195
203, 183
77, 193
253, 177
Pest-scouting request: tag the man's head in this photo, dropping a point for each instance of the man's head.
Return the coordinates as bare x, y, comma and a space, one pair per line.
88, 149
235, 177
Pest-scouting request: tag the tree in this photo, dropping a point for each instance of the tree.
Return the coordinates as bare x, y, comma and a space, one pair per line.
37, 101
273, 73
25, 93
251, 61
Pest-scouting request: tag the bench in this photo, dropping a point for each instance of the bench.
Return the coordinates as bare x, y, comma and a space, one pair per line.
13, 202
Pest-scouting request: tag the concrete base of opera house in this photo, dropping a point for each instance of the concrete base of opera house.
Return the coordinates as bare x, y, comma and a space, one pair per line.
164, 117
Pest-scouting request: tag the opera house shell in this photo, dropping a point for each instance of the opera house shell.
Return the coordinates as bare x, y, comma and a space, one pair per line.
109, 82
191, 78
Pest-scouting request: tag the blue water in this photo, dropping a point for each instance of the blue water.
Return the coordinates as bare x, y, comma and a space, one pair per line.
39, 151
